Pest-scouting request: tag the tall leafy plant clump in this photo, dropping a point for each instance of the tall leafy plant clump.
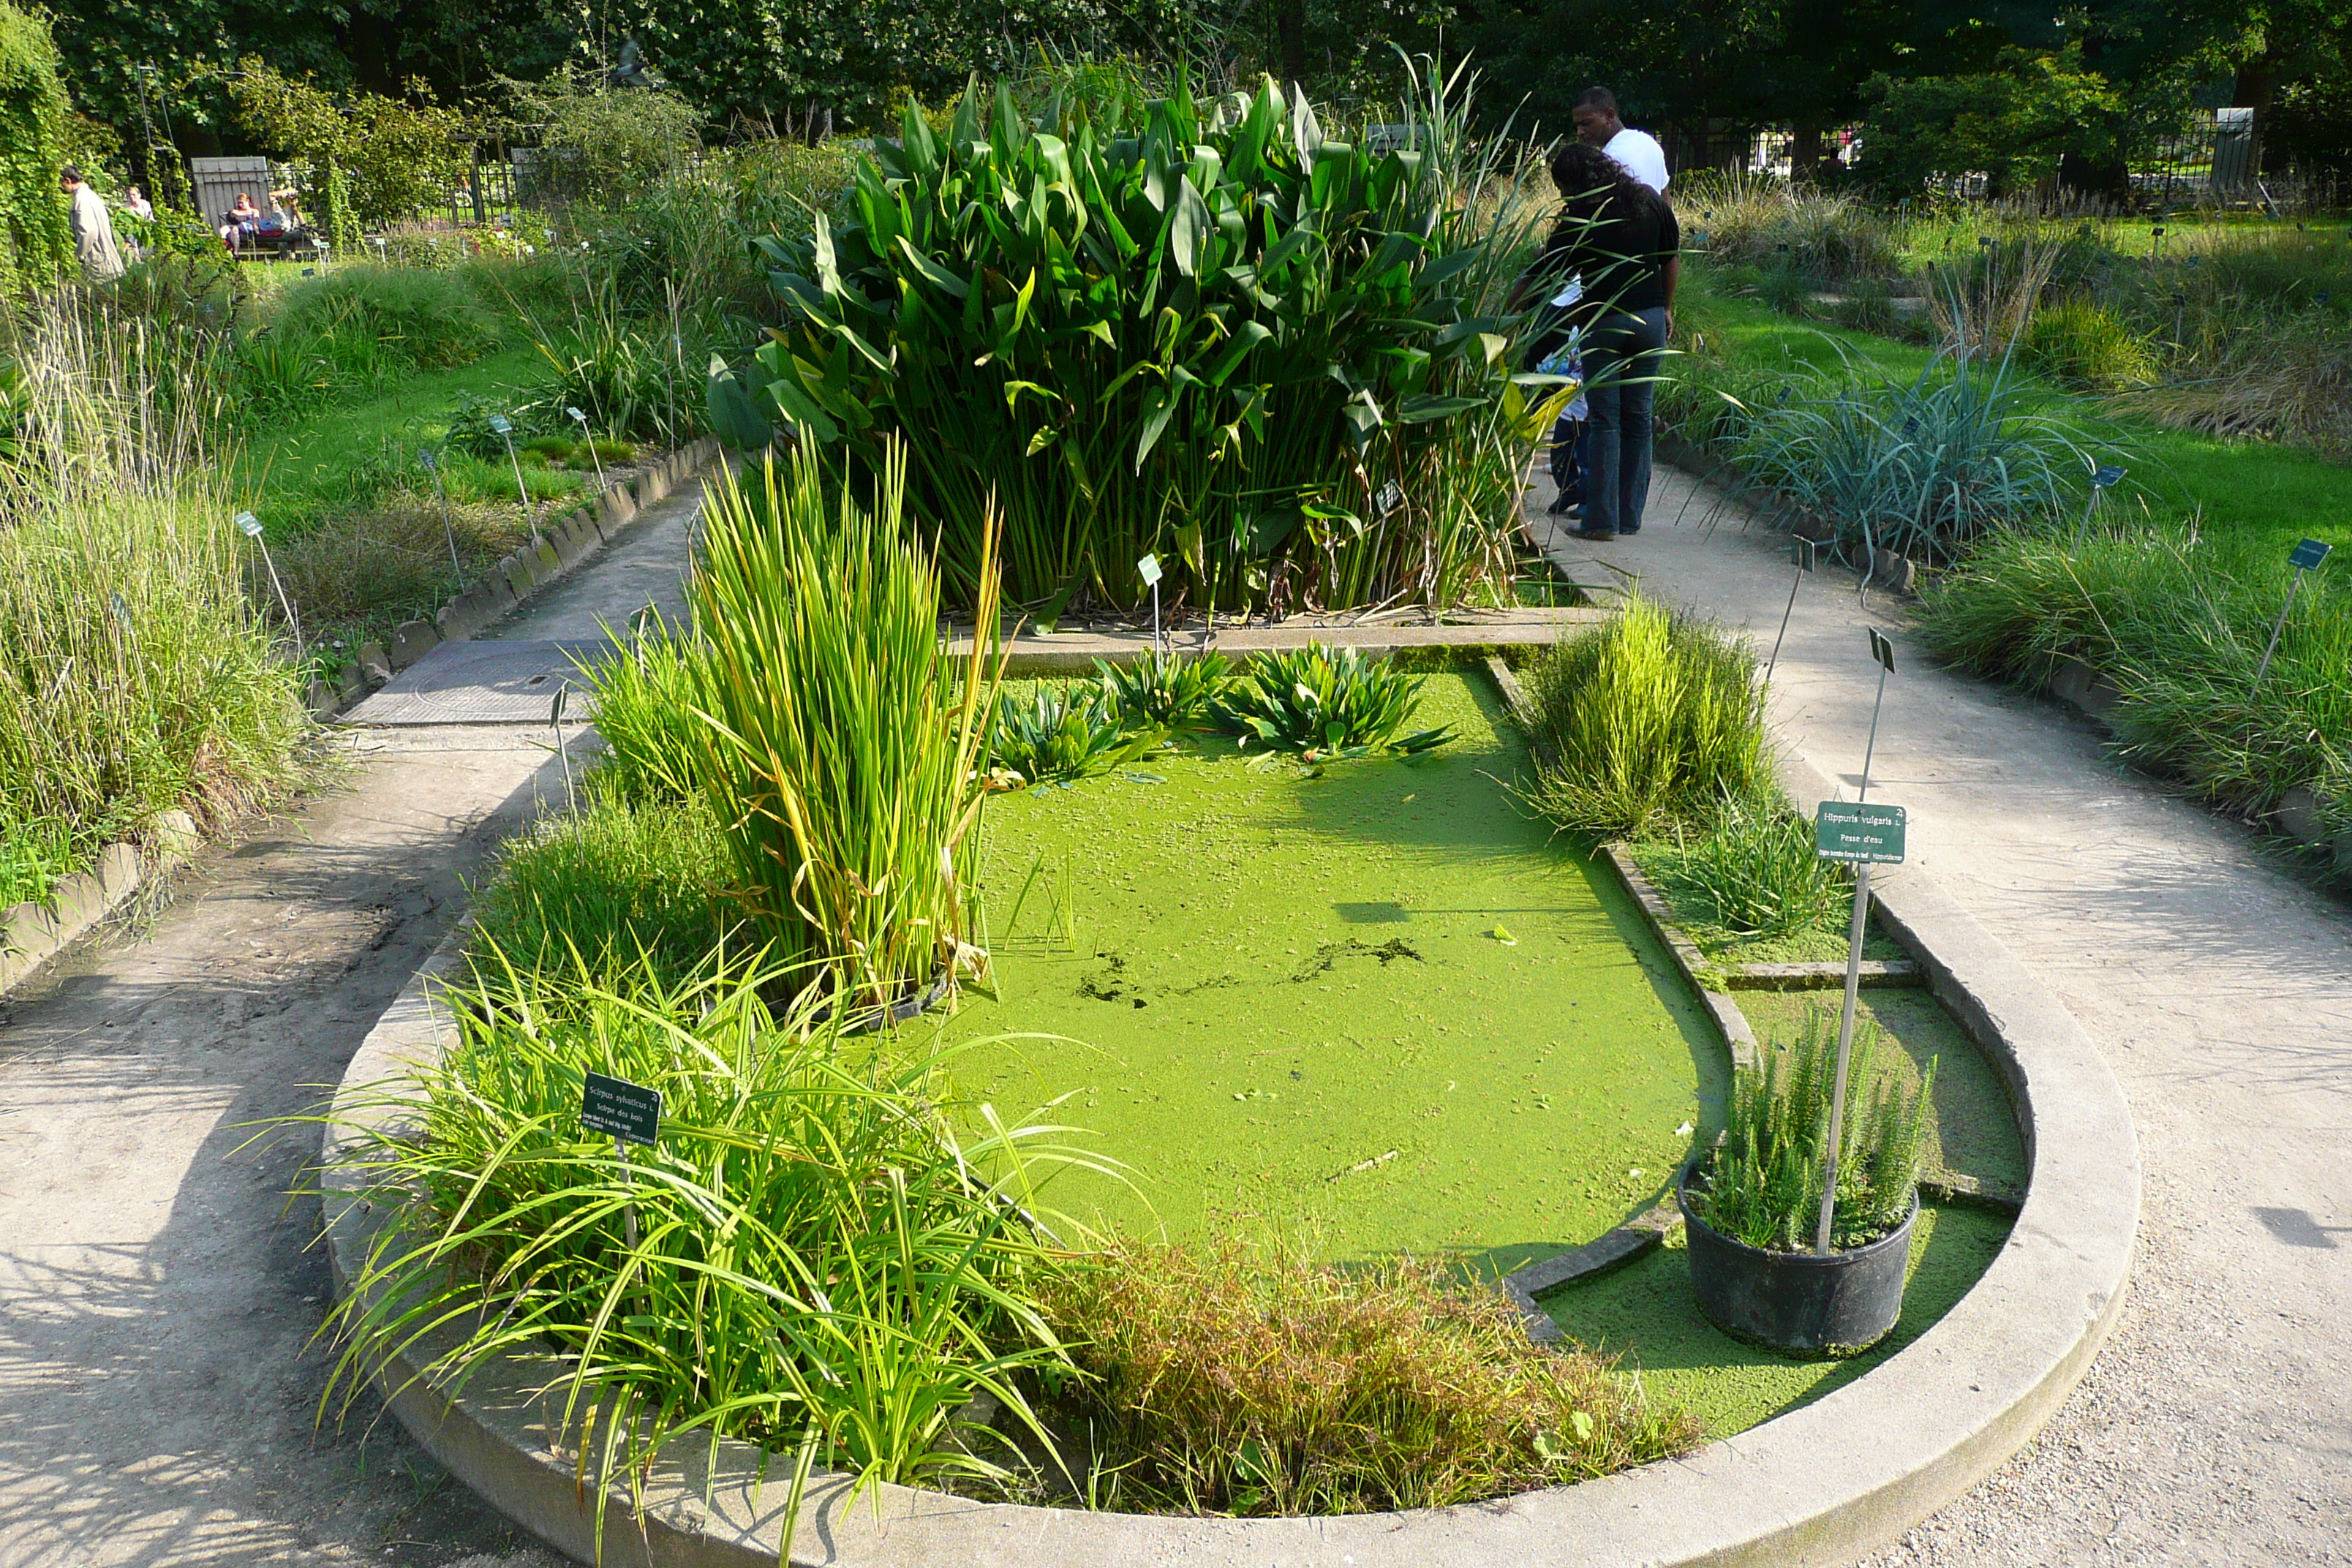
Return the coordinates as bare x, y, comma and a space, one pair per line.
1215, 334
33, 111
366, 161
843, 749
1764, 1183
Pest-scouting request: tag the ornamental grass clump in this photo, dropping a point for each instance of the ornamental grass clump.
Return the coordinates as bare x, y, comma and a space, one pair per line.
1205, 329
2178, 622
843, 752
1320, 703
1642, 724
1763, 1184
1221, 1382
1923, 467
1754, 872
827, 1253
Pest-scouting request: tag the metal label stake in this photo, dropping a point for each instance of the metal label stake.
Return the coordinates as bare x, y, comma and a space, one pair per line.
632, 1113
598, 457
1149, 569
2304, 558
250, 526
448, 531
2102, 480
1862, 836
505, 428
1806, 555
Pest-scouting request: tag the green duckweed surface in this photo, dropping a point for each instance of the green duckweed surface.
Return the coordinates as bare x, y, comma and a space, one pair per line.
1379, 1009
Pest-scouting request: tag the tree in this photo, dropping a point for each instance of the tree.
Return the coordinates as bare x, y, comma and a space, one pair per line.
363, 160
2014, 124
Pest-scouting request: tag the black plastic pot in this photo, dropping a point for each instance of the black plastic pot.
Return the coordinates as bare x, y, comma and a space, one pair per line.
1794, 1301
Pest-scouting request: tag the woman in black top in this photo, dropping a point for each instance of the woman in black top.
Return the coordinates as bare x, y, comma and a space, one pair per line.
1619, 237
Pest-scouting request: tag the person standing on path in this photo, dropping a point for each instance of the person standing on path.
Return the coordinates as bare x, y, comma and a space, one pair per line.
1619, 236
93, 231
1598, 125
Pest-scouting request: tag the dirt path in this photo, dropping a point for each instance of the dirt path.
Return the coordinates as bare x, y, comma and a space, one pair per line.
2217, 1424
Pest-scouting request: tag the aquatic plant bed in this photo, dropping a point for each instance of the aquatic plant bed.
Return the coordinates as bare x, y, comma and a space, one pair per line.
1377, 1002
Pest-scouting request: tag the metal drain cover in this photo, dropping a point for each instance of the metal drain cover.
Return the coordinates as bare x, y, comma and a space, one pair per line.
483, 683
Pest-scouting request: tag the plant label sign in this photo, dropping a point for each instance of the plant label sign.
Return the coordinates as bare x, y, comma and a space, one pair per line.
2108, 478
629, 1111
2309, 554
248, 525
1148, 570
501, 424
1882, 650
1871, 835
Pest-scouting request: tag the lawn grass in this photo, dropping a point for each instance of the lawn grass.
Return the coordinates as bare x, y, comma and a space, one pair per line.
2282, 494
303, 471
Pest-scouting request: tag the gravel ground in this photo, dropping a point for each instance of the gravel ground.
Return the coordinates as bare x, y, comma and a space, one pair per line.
2216, 1425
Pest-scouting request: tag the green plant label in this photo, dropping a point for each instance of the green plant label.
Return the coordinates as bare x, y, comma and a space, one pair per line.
1846, 832
248, 524
2108, 478
501, 424
1882, 650
2309, 554
629, 1111
1148, 570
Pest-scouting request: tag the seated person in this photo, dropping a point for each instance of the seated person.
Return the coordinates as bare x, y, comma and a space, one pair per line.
244, 217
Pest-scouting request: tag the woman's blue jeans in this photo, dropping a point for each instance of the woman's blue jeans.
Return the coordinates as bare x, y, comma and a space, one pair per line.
1622, 352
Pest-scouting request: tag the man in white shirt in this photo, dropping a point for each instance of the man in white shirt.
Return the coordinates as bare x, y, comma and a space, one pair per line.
93, 231
1597, 125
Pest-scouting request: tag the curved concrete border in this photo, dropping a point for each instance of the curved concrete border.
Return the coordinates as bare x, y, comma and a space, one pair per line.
1823, 1484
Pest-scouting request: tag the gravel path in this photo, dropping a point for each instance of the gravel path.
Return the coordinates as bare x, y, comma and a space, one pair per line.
2216, 1427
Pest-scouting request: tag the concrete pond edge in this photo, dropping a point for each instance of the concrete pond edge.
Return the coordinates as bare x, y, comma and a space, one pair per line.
1823, 1484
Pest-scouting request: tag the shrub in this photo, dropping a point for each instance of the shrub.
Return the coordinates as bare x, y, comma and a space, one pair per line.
2083, 344
363, 160
1323, 703
602, 142
828, 1253
35, 244
1763, 1185
1221, 1383
844, 748
1270, 357
1167, 691
1066, 732
1642, 724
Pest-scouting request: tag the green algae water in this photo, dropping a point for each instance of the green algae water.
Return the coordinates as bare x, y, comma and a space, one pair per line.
1379, 1009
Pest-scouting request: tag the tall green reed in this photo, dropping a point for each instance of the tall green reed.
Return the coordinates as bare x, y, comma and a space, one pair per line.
1763, 1185
844, 751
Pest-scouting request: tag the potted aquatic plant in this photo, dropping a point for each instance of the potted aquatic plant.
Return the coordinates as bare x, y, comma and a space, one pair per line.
1752, 1209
